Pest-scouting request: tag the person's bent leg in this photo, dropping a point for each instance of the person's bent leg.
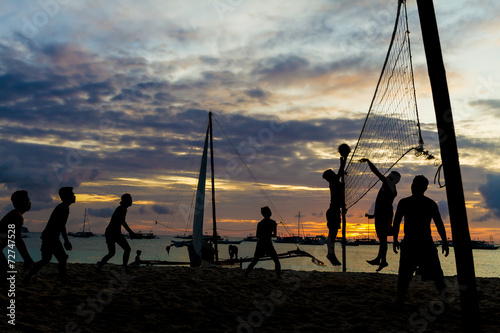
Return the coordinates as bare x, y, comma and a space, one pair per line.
46, 257
126, 250
111, 253
62, 259
277, 264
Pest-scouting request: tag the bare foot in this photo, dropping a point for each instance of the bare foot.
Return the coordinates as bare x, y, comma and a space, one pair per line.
333, 259
374, 262
382, 265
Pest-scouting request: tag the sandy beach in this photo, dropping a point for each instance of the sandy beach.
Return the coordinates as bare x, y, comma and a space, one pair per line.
168, 299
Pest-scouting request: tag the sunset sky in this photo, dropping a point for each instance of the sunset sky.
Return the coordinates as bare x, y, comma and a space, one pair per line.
112, 97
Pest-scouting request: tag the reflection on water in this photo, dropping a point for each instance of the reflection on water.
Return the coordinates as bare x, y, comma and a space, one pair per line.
90, 250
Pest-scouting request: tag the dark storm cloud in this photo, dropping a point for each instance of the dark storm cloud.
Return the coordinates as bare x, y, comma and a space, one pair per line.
490, 192
257, 93
101, 212
159, 209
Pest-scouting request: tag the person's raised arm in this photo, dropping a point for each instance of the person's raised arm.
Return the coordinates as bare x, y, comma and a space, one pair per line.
438, 221
374, 169
343, 161
395, 227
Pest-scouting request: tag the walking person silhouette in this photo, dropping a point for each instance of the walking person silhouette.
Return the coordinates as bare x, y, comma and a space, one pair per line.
14, 220
114, 233
51, 244
418, 252
383, 212
266, 230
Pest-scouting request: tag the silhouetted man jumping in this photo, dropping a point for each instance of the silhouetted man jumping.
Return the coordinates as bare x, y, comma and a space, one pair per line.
383, 212
266, 230
418, 252
333, 218
114, 233
10, 232
51, 244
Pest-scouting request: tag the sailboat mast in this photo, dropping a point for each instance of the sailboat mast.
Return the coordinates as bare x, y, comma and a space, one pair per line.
213, 186
84, 218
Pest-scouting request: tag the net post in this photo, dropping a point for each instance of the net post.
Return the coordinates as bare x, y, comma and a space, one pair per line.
344, 223
451, 168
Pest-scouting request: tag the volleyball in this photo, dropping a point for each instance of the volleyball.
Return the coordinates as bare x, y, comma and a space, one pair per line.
344, 150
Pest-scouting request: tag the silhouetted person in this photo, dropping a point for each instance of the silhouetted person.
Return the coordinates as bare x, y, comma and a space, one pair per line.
418, 252
266, 230
51, 244
333, 214
383, 212
114, 233
233, 252
137, 261
10, 229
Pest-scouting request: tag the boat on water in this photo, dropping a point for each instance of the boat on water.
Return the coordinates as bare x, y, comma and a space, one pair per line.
251, 238
314, 240
24, 231
291, 238
143, 235
83, 233
203, 251
367, 241
484, 245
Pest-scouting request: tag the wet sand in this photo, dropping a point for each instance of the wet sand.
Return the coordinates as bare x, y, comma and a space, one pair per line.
182, 299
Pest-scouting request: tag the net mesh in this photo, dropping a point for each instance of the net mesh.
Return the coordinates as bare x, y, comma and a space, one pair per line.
391, 127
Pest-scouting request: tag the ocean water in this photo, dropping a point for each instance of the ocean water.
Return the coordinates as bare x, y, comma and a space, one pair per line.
91, 250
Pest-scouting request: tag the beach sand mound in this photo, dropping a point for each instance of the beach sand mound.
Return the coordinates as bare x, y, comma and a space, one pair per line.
170, 299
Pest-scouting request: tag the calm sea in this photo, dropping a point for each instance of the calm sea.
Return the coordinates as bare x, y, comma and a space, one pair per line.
91, 250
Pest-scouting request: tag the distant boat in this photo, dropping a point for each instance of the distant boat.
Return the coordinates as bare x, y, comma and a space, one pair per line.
83, 233
316, 240
291, 239
226, 240
145, 235
250, 238
367, 241
24, 231
484, 245
184, 236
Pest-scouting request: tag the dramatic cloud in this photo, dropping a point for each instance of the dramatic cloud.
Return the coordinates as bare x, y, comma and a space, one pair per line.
113, 97
490, 192
101, 212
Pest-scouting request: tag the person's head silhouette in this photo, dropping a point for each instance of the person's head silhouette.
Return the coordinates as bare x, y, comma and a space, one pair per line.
419, 185
126, 200
66, 194
21, 201
394, 177
266, 212
329, 175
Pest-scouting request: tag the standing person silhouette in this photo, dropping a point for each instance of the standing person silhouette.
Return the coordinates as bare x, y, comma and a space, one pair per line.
13, 221
51, 244
114, 233
333, 214
383, 212
266, 230
418, 252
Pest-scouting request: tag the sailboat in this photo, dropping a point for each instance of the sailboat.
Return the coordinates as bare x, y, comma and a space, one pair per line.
311, 240
203, 250
292, 238
367, 240
83, 233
